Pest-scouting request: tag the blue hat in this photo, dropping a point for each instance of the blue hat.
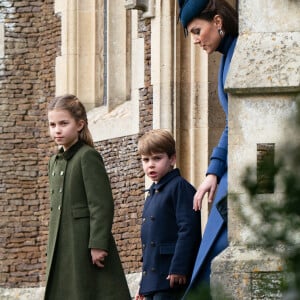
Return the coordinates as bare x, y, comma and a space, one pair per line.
189, 9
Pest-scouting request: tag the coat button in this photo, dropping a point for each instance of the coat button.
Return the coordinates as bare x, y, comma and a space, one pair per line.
153, 269
59, 207
156, 191
152, 218
143, 220
144, 246
60, 190
53, 173
144, 273
152, 244
61, 173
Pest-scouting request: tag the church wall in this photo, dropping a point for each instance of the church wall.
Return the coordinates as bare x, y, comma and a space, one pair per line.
30, 42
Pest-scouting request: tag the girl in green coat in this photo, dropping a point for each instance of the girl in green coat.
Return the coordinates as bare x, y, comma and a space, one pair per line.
82, 258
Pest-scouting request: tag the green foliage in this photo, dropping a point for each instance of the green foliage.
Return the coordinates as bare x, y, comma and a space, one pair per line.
203, 292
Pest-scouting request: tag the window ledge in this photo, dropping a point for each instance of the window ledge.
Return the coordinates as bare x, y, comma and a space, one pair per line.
122, 121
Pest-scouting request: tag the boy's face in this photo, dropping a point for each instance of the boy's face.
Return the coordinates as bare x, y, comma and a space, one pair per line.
157, 165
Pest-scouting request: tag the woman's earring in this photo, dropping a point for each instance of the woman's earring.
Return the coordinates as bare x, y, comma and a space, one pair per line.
221, 32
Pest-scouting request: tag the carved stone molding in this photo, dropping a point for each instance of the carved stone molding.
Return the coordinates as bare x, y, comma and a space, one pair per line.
147, 6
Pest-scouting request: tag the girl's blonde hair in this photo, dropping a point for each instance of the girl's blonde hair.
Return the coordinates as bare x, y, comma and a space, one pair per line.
157, 141
72, 104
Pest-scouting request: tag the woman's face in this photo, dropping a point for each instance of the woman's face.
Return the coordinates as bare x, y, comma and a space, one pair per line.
205, 33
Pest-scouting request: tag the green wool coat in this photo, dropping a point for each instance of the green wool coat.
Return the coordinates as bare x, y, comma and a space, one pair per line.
81, 218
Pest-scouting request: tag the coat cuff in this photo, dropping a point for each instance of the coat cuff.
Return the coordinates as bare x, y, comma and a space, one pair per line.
218, 162
99, 244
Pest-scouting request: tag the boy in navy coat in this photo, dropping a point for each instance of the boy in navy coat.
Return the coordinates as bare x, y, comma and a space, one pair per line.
171, 230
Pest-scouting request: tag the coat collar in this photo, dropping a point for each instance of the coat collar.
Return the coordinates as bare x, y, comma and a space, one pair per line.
67, 155
167, 178
225, 44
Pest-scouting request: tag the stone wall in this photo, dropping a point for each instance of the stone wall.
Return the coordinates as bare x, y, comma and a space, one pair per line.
262, 83
31, 43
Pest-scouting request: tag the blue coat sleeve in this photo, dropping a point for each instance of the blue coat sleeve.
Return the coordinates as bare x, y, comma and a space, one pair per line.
218, 159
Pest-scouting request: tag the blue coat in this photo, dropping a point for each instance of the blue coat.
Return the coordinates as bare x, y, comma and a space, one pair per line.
170, 232
215, 238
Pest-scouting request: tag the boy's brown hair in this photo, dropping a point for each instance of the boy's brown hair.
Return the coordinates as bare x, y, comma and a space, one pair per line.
157, 141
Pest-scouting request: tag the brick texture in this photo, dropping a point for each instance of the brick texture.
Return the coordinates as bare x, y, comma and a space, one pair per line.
32, 35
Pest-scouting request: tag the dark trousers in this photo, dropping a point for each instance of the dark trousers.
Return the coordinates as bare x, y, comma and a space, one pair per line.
166, 295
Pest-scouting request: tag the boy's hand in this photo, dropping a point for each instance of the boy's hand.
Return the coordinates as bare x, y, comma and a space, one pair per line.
138, 296
176, 279
98, 256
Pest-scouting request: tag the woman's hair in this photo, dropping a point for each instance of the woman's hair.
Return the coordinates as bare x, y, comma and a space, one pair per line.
226, 11
72, 104
157, 141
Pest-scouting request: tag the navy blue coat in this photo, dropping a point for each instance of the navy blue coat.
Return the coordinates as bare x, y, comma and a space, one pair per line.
170, 232
215, 238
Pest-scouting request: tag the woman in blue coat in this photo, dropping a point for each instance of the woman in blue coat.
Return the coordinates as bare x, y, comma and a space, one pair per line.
213, 25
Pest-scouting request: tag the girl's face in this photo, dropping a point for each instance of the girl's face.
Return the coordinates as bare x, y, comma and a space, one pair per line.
206, 33
157, 165
64, 129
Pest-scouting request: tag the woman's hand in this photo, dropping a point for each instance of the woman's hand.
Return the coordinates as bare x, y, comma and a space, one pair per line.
176, 279
209, 185
98, 256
